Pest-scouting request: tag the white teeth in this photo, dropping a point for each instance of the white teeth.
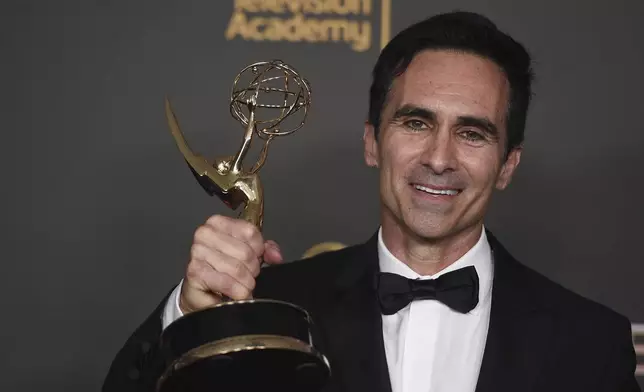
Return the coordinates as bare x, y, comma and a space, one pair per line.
436, 191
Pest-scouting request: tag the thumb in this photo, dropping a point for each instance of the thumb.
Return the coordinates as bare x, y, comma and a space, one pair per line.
272, 252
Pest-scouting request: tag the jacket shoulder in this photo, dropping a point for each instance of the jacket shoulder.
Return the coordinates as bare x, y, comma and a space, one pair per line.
298, 280
570, 305
589, 334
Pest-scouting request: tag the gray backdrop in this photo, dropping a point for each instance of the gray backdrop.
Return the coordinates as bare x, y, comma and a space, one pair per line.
102, 208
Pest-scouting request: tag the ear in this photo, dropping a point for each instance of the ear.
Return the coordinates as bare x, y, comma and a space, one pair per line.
508, 168
371, 156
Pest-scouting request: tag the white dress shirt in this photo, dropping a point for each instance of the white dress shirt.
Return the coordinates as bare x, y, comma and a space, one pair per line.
428, 346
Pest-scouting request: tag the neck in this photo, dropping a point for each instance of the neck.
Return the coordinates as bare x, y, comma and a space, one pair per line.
428, 256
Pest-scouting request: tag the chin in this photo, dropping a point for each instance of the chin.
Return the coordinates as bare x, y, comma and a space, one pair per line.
430, 227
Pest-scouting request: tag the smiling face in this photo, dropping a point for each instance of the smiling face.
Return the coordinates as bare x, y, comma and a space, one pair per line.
441, 145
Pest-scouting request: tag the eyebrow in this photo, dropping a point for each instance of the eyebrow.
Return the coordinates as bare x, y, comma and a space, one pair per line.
479, 122
483, 123
414, 111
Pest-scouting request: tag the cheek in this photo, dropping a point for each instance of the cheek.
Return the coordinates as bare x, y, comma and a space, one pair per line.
397, 159
482, 168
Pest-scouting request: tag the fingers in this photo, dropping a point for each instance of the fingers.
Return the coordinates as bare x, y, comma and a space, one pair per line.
217, 247
272, 253
204, 287
225, 259
240, 270
239, 229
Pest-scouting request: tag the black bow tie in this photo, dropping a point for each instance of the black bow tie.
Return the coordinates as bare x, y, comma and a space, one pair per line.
457, 289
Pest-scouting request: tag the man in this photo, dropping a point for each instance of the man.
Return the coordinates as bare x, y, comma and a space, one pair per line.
447, 112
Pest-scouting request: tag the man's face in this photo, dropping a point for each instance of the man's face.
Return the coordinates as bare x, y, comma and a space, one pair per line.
441, 146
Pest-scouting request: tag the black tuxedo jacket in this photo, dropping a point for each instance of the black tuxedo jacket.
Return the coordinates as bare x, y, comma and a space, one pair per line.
542, 337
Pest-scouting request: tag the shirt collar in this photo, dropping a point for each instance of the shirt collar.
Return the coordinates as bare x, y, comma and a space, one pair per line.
479, 256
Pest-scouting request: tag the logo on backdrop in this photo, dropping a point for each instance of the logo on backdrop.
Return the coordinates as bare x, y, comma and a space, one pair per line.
638, 340
354, 23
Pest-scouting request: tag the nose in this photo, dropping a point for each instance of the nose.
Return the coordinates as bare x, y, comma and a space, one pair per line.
439, 154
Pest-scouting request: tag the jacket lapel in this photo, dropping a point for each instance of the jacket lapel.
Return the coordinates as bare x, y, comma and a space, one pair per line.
351, 322
520, 328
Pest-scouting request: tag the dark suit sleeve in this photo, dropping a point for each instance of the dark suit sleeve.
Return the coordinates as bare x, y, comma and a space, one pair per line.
620, 375
138, 364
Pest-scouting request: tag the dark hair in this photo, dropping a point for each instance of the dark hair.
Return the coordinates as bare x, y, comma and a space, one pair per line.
464, 31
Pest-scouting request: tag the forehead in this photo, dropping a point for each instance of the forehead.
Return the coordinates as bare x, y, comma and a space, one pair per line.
452, 82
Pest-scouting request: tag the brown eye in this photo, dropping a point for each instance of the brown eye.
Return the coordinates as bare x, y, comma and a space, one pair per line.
416, 125
472, 136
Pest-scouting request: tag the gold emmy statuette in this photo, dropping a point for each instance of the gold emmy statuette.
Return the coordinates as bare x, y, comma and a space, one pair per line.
258, 344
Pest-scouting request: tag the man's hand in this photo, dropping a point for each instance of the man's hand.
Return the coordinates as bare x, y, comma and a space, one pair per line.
225, 259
